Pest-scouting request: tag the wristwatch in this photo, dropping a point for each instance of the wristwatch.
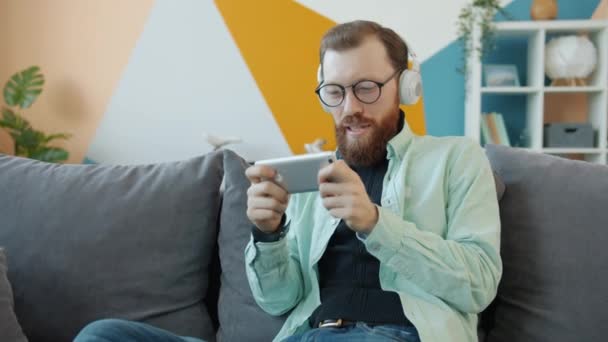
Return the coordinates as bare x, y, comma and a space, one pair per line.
260, 236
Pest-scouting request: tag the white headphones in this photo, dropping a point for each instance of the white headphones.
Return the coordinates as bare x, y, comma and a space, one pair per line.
410, 82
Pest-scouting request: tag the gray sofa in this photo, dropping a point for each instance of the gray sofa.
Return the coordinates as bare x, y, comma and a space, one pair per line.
163, 244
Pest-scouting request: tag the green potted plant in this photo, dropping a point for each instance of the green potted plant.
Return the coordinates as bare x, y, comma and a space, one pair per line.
20, 92
482, 13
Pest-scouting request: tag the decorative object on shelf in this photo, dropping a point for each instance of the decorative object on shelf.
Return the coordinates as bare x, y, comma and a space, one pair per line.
569, 60
20, 92
562, 134
543, 9
523, 140
494, 130
501, 75
478, 14
316, 146
218, 142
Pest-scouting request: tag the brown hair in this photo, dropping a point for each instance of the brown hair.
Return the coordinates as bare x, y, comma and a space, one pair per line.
352, 34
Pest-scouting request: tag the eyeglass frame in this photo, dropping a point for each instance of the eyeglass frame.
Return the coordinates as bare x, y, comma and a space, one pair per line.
343, 89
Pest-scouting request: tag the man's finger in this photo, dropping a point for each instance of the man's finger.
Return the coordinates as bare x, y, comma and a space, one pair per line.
325, 173
263, 215
268, 189
258, 173
339, 212
266, 203
333, 202
337, 172
330, 189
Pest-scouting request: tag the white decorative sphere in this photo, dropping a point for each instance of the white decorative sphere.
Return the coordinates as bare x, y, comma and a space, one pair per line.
570, 57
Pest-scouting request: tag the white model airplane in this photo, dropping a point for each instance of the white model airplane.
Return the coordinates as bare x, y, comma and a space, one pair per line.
219, 142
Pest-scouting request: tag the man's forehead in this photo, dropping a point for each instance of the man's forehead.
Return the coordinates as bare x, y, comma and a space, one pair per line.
365, 61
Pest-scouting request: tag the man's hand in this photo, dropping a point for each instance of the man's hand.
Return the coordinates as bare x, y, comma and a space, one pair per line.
266, 201
344, 195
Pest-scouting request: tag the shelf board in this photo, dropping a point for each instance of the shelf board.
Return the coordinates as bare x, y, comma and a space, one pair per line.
573, 150
509, 90
585, 89
549, 25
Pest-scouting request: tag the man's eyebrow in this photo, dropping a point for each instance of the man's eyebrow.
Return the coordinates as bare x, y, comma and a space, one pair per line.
351, 83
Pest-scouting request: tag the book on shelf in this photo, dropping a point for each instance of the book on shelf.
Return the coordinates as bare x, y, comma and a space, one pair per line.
502, 130
486, 138
494, 130
492, 125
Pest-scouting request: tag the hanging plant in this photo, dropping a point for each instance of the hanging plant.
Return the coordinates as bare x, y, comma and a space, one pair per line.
482, 13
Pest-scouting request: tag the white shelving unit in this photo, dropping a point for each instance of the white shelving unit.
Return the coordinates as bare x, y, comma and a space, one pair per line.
537, 33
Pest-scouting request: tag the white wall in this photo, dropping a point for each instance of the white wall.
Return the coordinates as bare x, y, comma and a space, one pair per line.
428, 25
185, 78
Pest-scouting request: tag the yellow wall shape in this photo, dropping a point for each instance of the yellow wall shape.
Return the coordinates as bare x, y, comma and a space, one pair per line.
279, 41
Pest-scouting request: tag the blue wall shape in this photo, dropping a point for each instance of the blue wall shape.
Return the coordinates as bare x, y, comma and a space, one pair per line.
444, 84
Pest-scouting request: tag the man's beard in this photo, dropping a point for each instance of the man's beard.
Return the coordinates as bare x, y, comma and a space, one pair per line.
369, 149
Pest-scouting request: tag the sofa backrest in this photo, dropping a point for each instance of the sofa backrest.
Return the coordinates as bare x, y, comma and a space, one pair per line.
67, 267
86, 242
553, 241
239, 317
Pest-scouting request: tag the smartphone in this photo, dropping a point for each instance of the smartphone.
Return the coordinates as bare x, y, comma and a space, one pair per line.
299, 173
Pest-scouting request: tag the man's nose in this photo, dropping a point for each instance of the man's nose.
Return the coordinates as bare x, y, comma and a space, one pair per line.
352, 105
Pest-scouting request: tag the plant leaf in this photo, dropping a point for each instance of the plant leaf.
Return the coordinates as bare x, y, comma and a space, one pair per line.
13, 121
24, 87
51, 137
30, 139
50, 154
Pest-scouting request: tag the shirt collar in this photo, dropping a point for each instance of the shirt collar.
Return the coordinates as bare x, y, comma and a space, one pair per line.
398, 144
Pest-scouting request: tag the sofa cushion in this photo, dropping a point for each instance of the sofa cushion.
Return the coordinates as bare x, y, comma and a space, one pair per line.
97, 241
500, 186
10, 330
554, 235
240, 318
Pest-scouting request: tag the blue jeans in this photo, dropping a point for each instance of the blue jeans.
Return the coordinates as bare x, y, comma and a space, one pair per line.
118, 330
359, 332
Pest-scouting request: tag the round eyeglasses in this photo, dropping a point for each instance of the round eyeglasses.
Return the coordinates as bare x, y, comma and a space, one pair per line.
366, 91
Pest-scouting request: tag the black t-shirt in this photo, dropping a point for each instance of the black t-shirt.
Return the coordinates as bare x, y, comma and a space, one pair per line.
349, 275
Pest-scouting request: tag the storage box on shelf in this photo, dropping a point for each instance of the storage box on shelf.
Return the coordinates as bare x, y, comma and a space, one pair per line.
535, 93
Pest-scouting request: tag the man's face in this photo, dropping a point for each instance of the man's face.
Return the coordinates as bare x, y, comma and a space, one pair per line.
363, 130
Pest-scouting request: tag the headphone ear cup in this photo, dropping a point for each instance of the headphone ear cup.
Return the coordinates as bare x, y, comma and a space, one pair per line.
410, 87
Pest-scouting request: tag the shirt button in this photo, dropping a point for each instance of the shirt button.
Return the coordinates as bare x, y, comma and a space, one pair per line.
374, 246
335, 221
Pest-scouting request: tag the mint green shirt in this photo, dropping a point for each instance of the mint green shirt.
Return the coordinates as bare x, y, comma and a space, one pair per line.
437, 239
